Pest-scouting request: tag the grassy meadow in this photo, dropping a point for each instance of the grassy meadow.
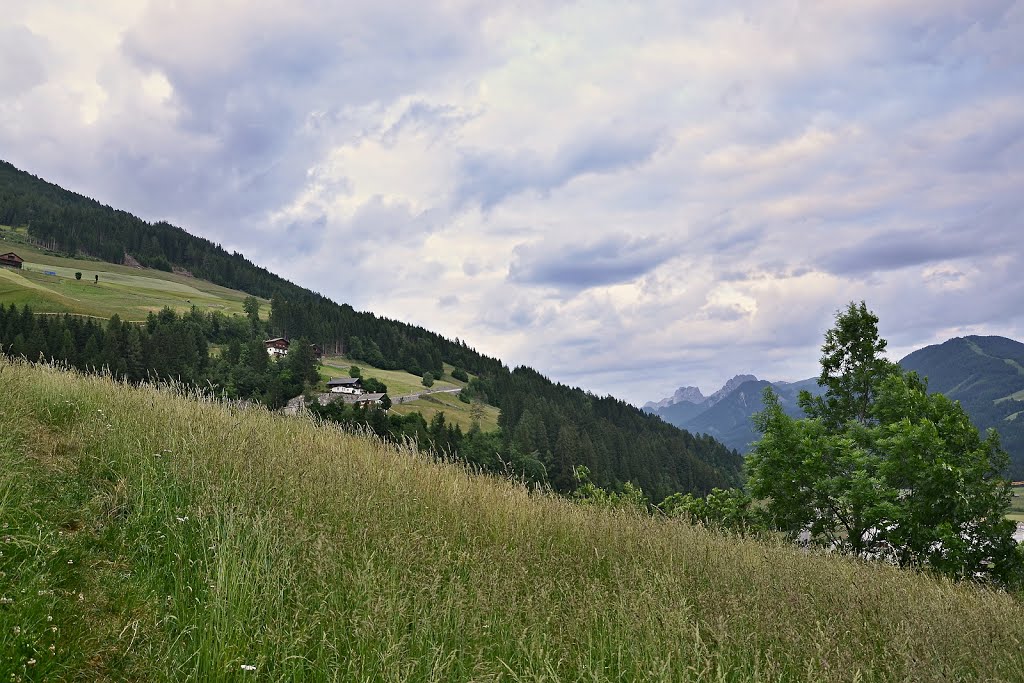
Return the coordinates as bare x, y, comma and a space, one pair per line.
150, 535
455, 411
1017, 504
399, 382
129, 292
402, 383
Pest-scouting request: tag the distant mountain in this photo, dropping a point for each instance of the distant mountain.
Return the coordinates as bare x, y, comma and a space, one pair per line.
693, 395
986, 374
726, 414
683, 394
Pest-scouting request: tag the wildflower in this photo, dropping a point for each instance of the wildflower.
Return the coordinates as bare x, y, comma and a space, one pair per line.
6, 601
71, 561
17, 630
49, 617
248, 667
31, 662
53, 649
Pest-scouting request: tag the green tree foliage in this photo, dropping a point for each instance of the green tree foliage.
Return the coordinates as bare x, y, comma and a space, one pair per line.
460, 374
251, 306
630, 498
355, 371
881, 468
78, 275
730, 509
428, 379
374, 385
852, 366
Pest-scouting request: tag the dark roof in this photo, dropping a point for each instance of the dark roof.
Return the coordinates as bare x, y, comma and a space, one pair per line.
361, 398
11, 256
276, 339
343, 381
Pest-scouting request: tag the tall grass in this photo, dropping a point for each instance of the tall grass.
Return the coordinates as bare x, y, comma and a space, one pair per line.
210, 543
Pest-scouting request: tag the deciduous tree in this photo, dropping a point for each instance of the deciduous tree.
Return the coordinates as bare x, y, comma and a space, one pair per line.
881, 468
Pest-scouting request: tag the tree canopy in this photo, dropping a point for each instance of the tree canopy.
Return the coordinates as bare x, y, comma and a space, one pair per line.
881, 468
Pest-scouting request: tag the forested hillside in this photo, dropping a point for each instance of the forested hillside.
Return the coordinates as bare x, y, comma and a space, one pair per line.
557, 425
986, 374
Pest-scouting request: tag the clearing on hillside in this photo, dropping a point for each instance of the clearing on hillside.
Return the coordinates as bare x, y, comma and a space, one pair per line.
48, 284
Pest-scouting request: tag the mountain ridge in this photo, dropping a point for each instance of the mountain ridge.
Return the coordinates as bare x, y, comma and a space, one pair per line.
984, 373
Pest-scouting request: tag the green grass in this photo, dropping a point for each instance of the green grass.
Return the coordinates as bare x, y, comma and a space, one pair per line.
129, 292
1017, 504
455, 411
399, 382
172, 539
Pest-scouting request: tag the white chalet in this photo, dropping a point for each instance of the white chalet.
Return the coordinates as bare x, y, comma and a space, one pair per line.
345, 385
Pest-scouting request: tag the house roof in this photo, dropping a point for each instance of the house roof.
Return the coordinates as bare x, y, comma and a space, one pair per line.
343, 381
11, 256
276, 339
361, 398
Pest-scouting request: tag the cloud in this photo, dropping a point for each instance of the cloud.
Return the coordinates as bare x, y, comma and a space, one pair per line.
24, 60
490, 177
614, 259
694, 187
900, 250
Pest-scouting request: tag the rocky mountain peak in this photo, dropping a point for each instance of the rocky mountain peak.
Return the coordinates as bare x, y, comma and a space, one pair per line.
729, 387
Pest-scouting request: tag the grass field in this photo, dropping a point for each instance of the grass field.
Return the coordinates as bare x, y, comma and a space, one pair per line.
400, 382
150, 536
455, 411
1017, 504
129, 292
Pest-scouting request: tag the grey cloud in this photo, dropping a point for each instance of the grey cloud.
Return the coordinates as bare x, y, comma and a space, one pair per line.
24, 59
252, 106
893, 251
306, 237
490, 177
611, 260
379, 221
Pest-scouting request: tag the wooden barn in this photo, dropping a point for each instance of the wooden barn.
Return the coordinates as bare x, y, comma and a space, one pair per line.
11, 260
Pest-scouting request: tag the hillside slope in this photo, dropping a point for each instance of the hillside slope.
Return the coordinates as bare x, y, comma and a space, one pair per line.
986, 374
48, 284
155, 537
555, 426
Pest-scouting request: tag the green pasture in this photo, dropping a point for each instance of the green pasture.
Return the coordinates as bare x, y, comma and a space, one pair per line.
129, 292
400, 382
1017, 504
455, 411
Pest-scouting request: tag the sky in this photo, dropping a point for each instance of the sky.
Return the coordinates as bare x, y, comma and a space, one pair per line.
629, 197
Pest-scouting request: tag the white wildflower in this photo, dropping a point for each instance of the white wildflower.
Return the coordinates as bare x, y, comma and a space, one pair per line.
248, 667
